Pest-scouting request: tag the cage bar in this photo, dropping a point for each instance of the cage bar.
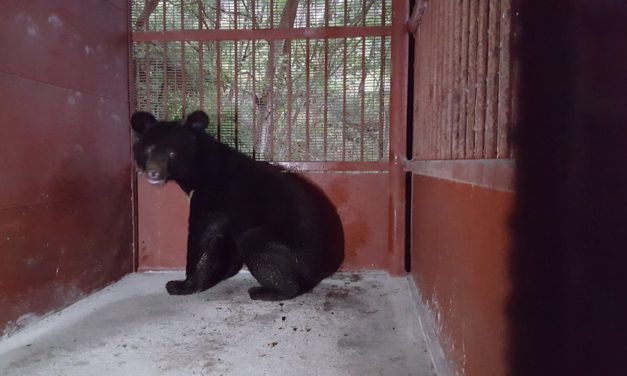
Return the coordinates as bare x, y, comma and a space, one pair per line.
457, 71
491, 105
382, 102
464, 52
326, 101
289, 100
307, 85
504, 90
482, 67
236, 68
463, 80
472, 79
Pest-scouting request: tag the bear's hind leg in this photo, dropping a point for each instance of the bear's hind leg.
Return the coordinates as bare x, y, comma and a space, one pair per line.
274, 269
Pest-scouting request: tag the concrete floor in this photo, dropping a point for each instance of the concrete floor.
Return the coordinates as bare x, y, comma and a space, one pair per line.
352, 324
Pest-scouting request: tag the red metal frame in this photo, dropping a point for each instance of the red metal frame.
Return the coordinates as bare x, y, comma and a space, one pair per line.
336, 166
398, 136
132, 102
346, 184
330, 32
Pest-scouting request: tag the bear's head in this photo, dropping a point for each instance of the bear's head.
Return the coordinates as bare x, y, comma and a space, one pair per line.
166, 150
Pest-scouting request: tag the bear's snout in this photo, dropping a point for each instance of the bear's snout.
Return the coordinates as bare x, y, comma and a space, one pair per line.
155, 176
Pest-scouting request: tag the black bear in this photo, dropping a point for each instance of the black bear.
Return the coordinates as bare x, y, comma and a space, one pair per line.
242, 211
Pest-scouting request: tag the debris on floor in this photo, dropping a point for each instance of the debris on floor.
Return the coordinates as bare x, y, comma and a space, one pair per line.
351, 324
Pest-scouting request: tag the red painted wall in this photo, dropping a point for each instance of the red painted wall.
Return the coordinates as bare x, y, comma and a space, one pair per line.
460, 261
361, 199
65, 198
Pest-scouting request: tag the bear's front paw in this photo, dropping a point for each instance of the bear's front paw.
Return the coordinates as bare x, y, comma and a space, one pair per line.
178, 288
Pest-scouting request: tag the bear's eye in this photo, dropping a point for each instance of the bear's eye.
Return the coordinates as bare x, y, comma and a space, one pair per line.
172, 154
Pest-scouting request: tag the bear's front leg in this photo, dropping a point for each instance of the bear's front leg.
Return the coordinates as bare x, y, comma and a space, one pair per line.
207, 261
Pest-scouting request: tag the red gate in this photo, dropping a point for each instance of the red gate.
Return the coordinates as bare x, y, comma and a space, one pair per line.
304, 84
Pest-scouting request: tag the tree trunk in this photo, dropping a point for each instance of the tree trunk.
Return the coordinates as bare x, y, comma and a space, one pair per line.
265, 102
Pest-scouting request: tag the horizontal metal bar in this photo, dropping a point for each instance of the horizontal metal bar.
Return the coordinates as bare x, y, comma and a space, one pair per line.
497, 174
261, 34
335, 166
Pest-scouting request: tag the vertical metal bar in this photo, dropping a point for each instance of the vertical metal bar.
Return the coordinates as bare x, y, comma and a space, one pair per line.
452, 90
236, 92
289, 100
326, 81
505, 93
236, 69
254, 92
344, 84
430, 121
201, 75
457, 72
184, 80
398, 111
362, 115
439, 79
218, 90
133, 86
272, 127
218, 14
326, 96
429, 126
218, 74
421, 85
253, 12
382, 85
465, 16
148, 68
307, 84
448, 35
201, 61
235, 13
362, 94
254, 79
183, 72
164, 15
472, 78
482, 59
450, 77
166, 83
164, 87
492, 85
443, 144
446, 75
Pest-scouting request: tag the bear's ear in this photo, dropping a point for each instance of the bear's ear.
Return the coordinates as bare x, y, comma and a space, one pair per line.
141, 121
198, 120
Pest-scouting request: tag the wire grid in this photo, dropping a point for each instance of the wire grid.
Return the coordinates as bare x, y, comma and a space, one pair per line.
465, 83
332, 110
165, 15
324, 100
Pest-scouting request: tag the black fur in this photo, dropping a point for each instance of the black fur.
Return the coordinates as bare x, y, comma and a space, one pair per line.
242, 211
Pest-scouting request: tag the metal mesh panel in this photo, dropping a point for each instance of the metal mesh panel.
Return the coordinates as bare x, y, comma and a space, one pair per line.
165, 15
282, 100
465, 80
